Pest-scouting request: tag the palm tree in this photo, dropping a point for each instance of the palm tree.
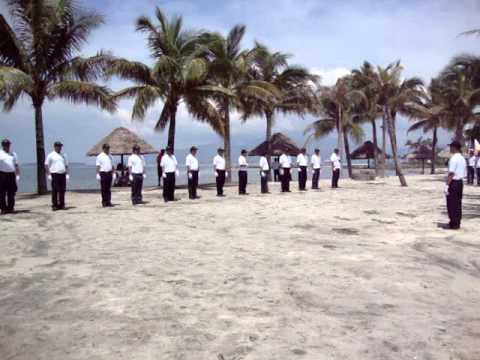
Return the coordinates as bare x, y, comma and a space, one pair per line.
293, 86
177, 75
429, 113
38, 60
422, 149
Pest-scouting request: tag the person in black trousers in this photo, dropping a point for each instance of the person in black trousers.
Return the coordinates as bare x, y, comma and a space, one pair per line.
264, 171
56, 166
316, 165
336, 166
169, 166
9, 175
276, 170
242, 173
219, 170
105, 174
454, 190
191, 162
285, 176
136, 169
159, 167
302, 163
471, 167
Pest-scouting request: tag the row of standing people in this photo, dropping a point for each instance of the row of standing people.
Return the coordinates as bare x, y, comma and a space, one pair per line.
473, 167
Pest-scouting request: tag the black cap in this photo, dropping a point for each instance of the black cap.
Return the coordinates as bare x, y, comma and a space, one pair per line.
455, 144
317, 150
57, 143
243, 151
136, 147
193, 148
106, 146
5, 142
220, 150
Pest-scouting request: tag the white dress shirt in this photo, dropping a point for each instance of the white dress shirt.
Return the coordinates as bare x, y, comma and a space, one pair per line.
302, 160
316, 161
137, 163
285, 161
219, 162
477, 163
169, 163
458, 166
242, 162
57, 163
105, 162
8, 161
472, 161
191, 162
264, 164
335, 159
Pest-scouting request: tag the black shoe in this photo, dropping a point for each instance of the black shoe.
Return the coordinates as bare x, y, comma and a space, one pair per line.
220, 195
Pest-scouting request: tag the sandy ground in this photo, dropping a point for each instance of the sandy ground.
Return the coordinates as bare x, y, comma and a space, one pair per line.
358, 273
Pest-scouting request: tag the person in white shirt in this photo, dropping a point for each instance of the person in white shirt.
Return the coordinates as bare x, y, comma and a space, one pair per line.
302, 163
136, 170
316, 162
285, 176
9, 175
169, 168
471, 167
191, 162
336, 165
105, 174
56, 166
242, 173
456, 172
276, 169
264, 172
219, 170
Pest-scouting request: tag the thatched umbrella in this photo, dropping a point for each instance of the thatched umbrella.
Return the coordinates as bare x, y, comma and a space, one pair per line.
422, 153
121, 141
279, 143
366, 151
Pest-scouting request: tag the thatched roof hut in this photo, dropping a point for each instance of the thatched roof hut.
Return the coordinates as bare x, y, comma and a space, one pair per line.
121, 141
366, 151
423, 152
279, 143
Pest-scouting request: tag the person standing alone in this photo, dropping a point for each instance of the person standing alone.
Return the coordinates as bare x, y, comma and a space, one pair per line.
242, 173
56, 166
454, 188
264, 170
9, 176
336, 166
302, 163
285, 177
105, 174
316, 165
191, 163
219, 170
136, 170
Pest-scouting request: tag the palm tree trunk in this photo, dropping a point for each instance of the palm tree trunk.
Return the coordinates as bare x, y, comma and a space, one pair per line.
40, 146
347, 153
383, 156
171, 127
393, 141
269, 117
226, 141
375, 144
340, 145
459, 132
434, 150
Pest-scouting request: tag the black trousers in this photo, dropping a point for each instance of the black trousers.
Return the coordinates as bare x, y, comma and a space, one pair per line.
302, 178
276, 175
335, 177
137, 185
159, 173
8, 188
470, 174
242, 182
169, 186
59, 186
193, 184
220, 180
315, 178
106, 187
454, 203
285, 178
264, 181
478, 176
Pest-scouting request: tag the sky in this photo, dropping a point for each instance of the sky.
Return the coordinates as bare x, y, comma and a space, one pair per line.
328, 37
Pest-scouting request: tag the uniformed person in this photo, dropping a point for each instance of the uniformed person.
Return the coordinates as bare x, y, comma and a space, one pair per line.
264, 171
242, 173
454, 190
219, 171
302, 163
105, 174
9, 176
336, 166
191, 162
169, 167
316, 162
56, 166
136, 170
285, 176
471, 167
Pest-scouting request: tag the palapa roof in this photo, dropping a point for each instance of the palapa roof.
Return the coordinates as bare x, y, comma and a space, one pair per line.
121, 141
422, 153
366, 151
279, 143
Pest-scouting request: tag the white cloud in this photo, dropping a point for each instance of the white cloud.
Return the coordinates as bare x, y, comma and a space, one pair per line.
330, 76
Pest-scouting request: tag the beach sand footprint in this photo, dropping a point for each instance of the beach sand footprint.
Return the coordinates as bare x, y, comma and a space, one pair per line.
345, 231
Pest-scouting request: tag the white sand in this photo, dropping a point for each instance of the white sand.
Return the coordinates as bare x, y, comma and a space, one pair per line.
358, 273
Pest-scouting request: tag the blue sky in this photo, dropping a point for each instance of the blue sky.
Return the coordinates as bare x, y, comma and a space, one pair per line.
329, 37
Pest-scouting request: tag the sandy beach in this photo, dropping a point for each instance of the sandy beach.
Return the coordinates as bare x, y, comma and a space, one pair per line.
363, 272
